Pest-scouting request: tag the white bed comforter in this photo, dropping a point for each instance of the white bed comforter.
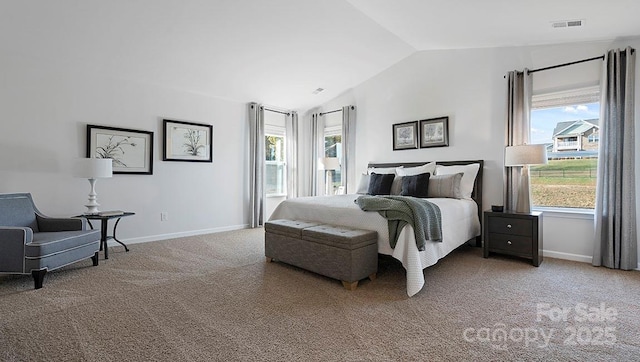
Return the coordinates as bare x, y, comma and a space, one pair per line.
459, 224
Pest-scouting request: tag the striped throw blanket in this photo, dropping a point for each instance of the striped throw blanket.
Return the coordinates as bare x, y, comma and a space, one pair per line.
422, 215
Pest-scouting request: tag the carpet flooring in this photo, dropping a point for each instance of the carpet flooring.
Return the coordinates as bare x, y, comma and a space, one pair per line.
214, 298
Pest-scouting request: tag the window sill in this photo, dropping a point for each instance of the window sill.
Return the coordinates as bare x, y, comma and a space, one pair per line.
276, 195
567, 213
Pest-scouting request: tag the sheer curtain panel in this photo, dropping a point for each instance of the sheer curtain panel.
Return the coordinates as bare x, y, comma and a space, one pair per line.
317, 151
256, 165
291, 134
349, 147
517, 132
616, 239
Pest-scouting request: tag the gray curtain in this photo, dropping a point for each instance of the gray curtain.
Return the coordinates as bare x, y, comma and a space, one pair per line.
348, 147
291, 129
317, 151
517, 131
256, 165
616, 240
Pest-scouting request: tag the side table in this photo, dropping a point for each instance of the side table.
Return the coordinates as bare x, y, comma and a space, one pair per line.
513, 233
103, 230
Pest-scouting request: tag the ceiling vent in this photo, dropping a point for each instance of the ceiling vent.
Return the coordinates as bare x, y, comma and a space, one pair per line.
567, 24
318, 90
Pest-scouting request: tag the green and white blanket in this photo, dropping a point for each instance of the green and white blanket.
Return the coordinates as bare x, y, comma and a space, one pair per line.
422, 215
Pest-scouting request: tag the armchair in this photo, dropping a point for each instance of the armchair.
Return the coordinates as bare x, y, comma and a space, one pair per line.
32, 243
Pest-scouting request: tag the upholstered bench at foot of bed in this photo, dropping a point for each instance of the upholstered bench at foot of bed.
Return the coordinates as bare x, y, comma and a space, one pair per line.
338, 252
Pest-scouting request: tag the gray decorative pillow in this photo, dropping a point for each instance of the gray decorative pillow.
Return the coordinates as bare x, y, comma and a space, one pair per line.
396, 185
380, 184
445, 186
416, 185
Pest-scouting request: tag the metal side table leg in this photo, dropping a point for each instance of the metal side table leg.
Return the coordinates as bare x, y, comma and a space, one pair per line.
114, 236
104, 238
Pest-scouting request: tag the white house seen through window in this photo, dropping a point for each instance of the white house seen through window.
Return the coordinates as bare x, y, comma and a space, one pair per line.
333, 148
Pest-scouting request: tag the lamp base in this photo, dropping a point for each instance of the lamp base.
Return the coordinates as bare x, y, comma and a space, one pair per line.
523, 202
92, 209
329, 182
92, 206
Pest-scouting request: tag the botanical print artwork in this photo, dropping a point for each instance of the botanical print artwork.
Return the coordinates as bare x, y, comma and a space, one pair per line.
125, 151
131, 150
188, 142
433, 132
404, 136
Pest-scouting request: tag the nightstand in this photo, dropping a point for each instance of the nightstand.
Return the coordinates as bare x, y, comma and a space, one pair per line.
513, 233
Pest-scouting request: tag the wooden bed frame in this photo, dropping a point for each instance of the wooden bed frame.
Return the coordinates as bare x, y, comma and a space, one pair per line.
476, 194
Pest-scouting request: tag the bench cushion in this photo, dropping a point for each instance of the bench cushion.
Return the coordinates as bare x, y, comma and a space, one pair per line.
287, 227
340, 236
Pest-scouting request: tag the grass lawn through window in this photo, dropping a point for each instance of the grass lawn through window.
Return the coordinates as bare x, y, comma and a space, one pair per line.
564, 183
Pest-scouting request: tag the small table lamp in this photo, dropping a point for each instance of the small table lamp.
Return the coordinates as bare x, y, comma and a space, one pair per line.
92, 169
524, 155
329, 164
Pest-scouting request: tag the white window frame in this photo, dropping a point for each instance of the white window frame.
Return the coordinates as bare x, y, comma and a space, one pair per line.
559, 99
278, 131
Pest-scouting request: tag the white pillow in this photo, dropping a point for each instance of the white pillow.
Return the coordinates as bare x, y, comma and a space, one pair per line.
382, 170
468, 178
363, 186
412, 171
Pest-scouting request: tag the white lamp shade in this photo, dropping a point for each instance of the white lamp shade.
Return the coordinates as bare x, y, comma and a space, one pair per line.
525, 155
329, 163
93, 168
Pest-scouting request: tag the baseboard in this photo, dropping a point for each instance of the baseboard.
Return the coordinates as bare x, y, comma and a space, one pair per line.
567, 256
146, 239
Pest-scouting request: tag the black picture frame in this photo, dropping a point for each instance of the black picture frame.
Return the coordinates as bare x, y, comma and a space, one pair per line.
405, 136
130, 149
187, 141
434, 132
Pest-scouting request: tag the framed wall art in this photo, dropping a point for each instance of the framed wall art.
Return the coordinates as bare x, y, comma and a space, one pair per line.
187, 141
405, 136
131, 150
434, 132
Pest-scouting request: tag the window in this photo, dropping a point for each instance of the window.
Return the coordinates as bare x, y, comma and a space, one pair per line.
333, 148
567, 122
276, 167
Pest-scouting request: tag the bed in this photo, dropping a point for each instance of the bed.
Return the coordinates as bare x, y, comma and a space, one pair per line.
460, 222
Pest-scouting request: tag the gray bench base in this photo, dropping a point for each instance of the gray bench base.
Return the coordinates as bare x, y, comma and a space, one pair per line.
342, 253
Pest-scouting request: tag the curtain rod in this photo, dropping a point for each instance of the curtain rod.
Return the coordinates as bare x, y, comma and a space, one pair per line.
273, 110
334, 111
566, 64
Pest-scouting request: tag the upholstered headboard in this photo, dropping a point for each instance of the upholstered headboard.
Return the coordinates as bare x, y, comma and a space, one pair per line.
476, 195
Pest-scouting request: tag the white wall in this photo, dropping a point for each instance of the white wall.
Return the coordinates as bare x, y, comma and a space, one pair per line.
45, 110
469, 87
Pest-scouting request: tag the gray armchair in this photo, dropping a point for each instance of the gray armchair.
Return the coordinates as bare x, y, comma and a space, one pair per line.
31, 243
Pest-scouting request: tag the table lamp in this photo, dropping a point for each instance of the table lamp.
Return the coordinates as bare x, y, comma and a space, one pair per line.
92, 169
329, 164
523, 156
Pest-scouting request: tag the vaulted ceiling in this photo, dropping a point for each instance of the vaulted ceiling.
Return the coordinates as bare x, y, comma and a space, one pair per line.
279, 51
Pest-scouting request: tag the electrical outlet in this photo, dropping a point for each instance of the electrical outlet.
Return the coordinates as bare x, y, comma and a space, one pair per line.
164, 216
